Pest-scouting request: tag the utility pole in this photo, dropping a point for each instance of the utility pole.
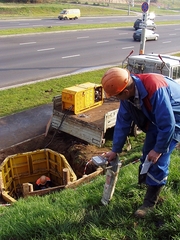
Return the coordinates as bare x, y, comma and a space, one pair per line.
131, 3
129, 8
145, 9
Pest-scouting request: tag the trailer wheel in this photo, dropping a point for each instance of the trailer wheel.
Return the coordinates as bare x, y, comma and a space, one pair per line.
134, 130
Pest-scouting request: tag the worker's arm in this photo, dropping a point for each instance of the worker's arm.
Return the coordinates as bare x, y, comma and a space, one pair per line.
121, 131
164, 120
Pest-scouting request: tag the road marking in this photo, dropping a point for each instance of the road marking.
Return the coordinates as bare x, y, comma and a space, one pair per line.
128, 47
167, 42
38, 25
23, 24
71, 56
83, 37
26, 43
103, 42
177, 29
45, 49
172, 34
123, 33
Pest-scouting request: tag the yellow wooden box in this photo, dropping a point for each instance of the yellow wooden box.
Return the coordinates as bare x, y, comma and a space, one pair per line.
82, 97
27, 167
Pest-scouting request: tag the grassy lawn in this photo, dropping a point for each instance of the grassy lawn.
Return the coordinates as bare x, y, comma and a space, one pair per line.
79, 215
17, 99
88, 8
53, 9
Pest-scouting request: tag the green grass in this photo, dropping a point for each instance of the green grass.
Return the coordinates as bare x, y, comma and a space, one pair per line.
78, 214
53, 9
65, 28
17, 99
88, 8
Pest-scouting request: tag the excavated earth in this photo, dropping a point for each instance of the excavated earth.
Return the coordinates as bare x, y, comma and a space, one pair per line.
77, 152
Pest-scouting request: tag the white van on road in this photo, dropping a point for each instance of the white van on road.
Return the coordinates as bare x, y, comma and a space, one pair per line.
66, 14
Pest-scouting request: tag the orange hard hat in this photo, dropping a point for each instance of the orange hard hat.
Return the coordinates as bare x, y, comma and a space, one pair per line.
115, 81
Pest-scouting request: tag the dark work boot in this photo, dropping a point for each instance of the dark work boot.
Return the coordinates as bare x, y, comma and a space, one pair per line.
141, 177
150, 201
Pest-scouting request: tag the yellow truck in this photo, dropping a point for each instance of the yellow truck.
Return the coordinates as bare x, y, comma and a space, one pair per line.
66, 14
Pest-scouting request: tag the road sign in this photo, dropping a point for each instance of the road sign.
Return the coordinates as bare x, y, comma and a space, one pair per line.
145, 7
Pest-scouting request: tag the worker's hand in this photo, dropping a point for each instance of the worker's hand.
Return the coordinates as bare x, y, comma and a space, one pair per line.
153, 156
110, 155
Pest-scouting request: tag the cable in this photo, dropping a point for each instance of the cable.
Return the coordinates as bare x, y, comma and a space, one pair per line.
86, 166
62, 120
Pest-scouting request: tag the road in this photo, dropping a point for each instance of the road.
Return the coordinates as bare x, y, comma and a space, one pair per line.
29, 23
35, 57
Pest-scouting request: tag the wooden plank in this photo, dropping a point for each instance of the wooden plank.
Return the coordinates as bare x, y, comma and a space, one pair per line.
45, 191
85, 179
7, 197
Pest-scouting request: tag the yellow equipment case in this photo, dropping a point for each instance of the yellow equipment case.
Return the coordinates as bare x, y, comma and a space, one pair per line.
82, 97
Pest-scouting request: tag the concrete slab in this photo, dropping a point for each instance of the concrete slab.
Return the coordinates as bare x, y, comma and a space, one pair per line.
22, 126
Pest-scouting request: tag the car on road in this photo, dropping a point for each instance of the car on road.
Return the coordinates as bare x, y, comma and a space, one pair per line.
66, 14
151, 16
138, 24
149, 35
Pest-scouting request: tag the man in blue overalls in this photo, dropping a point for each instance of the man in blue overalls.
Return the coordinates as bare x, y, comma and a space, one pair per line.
152, 101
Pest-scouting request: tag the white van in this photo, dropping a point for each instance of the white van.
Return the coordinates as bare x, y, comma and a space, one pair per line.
69, 14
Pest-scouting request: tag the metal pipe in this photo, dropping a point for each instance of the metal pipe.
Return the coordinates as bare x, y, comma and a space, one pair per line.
143, 34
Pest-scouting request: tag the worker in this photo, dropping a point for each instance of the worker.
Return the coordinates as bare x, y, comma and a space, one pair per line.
43, 182
152, 102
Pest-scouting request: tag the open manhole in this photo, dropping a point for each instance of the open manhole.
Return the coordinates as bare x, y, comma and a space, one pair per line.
65, 161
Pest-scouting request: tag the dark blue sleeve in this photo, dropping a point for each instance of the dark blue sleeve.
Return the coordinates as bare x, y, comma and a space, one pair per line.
122, 127
164, 119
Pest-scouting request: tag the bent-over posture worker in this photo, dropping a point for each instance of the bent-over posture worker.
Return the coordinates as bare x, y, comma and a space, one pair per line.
152, 101
43, 182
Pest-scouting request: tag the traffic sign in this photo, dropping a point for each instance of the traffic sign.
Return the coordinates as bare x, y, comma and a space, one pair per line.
144, 7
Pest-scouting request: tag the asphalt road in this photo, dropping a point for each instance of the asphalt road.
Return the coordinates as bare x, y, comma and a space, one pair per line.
25, 125
29, 23
35, 57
